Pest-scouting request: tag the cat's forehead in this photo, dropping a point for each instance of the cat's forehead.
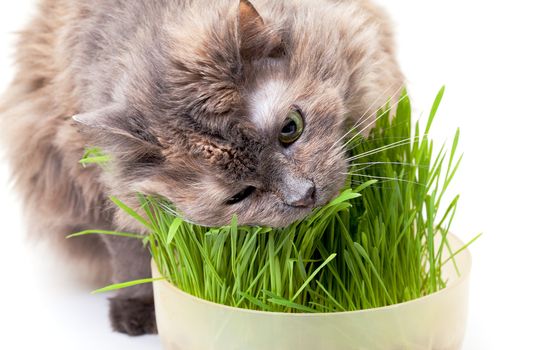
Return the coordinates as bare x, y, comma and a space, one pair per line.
268, 100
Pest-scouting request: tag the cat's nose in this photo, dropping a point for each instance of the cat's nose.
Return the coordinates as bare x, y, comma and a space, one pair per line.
305, 197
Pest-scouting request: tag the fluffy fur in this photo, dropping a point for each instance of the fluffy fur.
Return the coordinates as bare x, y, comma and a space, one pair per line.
188, 97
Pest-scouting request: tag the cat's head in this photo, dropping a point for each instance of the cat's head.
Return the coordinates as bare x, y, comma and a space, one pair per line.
236, 111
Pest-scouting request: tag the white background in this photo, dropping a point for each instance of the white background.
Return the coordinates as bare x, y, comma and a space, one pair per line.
488, 55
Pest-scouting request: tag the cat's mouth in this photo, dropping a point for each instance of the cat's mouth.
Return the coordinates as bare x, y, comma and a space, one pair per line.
292, 214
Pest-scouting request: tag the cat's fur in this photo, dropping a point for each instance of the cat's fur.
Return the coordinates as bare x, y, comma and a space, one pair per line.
188, 98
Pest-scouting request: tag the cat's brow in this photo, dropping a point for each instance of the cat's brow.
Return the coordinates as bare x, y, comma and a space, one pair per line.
265, 103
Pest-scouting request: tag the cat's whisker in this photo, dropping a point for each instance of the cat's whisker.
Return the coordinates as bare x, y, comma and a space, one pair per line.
381, 149
362, 119
341, 150
384, 178
388, 146
396, 144
375, 120
353, 165
363, 168
377, 185
167, 208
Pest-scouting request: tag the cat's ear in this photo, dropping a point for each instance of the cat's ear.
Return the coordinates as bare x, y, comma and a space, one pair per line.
106, 118
114, 119
257, 40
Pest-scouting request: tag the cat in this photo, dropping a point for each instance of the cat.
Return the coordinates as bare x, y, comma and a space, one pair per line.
221, 106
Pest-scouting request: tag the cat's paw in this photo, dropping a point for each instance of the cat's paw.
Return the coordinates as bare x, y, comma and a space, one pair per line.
133, 316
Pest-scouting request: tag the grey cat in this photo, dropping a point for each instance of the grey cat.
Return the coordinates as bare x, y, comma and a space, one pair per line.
221, 106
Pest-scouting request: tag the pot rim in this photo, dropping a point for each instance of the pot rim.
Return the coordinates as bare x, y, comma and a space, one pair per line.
465, 271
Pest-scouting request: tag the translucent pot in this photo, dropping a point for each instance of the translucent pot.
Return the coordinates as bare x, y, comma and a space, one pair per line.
435, 322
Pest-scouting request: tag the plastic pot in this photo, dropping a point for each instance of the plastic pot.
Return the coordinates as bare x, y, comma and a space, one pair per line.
435, 322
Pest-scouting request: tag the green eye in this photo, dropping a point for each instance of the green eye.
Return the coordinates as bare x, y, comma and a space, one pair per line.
292, 128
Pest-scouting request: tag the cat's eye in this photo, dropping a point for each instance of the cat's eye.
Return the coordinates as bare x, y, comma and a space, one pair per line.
292, 127
242, 195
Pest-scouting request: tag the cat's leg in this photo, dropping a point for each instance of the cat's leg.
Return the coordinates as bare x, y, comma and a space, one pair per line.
132, 309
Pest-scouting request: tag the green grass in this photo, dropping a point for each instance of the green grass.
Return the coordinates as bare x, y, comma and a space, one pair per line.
94, 155
380, 242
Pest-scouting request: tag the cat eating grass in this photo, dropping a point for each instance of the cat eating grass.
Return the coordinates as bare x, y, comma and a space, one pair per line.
223, 107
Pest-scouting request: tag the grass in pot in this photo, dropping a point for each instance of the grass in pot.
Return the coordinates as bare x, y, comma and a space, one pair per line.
376, 268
